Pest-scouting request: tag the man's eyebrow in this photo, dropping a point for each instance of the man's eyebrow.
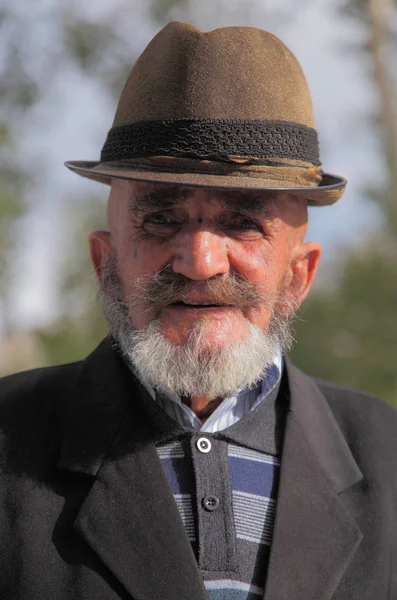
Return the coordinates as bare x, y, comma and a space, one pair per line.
157, 199
258, 204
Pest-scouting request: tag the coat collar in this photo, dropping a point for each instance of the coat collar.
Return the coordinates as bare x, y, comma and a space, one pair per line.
321, 431
98, 398
106, 435
315, 537
129, 517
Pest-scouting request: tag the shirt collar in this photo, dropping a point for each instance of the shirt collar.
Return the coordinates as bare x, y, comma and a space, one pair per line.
261, 429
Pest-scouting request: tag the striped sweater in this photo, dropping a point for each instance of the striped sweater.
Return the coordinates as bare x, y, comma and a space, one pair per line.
233, 562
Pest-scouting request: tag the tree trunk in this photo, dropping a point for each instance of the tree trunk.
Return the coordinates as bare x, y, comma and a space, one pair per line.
380, 13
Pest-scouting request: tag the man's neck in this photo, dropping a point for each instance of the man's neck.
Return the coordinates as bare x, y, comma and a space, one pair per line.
202, 406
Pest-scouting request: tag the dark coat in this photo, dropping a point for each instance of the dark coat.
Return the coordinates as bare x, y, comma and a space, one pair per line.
86, 512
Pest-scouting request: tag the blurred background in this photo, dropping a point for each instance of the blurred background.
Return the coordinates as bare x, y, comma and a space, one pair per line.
62, 67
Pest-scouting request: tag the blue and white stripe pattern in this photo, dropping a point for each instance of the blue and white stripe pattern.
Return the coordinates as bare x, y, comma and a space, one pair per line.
254, 477
235, 590
254, 498
178, 469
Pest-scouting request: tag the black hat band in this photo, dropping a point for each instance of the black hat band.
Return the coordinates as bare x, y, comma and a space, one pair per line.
211, 138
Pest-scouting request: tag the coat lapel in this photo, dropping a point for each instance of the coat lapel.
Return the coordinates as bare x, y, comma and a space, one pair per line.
129, 517
315, 538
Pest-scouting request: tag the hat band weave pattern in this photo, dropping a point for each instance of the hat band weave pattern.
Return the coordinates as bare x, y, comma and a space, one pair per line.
212, 138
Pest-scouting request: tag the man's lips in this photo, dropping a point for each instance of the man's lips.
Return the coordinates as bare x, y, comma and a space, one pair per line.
198, 304
199, 307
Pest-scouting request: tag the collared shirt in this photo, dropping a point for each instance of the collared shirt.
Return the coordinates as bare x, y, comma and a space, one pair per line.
230, 411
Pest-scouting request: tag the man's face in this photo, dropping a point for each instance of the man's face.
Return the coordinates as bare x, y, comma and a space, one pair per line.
242, 251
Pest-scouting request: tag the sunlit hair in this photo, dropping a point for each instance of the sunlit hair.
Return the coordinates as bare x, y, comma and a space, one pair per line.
195, 368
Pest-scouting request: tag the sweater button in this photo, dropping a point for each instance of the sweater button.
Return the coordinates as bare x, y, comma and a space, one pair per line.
203, 445
210, 503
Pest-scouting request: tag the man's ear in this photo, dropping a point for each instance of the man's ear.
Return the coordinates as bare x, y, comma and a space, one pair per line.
304, 268
100, 248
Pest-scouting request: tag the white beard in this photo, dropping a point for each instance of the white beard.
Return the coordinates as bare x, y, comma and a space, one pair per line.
195, 368
191, 371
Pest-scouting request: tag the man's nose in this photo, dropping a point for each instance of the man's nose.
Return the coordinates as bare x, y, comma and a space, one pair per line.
201, 255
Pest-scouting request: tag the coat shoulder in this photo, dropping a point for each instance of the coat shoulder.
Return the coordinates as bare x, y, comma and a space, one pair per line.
36, 381
30, 422
362, 416
342, 399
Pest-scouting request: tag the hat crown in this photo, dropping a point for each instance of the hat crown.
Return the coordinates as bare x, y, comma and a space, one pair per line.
229, 108
229, 73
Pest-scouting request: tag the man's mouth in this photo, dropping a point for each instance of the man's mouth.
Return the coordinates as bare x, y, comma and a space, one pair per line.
190, 304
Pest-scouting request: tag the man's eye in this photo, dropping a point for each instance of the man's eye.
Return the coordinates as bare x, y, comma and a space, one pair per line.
158, 219
161, 224
244, 223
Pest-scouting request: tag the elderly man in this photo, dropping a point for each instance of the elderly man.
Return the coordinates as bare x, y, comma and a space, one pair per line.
186, 458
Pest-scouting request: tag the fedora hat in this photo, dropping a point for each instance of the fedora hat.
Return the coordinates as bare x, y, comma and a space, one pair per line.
229, 108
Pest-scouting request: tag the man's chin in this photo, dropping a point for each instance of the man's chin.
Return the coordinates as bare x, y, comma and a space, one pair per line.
210, 327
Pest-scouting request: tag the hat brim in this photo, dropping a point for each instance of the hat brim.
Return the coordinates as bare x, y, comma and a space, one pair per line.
327, 192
